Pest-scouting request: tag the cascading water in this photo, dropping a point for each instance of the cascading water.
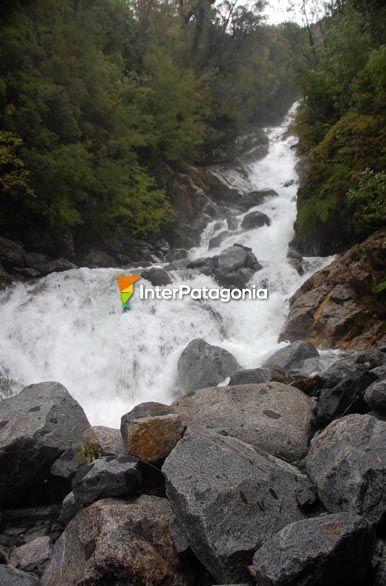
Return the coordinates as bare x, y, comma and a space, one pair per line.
70, 326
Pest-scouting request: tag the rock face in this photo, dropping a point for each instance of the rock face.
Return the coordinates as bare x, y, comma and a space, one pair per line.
114, 542
272, 416
152, 438
229, 498
12, 254
202, 365
347, 463
332, 549
106, 477
11, 577
157, 276
255, 220
36, 427
336, 307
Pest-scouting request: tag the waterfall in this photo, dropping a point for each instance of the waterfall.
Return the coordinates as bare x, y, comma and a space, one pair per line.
70, 326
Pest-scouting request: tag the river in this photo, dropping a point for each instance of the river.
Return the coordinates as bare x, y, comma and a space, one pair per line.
70, 326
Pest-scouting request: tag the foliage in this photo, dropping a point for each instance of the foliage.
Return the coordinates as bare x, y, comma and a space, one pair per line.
96, 96
341, 125
88, 453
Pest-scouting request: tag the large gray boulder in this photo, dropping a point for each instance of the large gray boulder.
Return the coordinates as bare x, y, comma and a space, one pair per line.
331, 550
106, 440
12, 577
271, 416
229, 498
118, 542
12, 254
36, 427
347, 463
232, 258
255, 220
33, 555
106, 477
202, 365
156, 276
291, 359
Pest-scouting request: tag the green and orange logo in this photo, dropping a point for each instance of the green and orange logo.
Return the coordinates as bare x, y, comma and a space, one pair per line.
126, 287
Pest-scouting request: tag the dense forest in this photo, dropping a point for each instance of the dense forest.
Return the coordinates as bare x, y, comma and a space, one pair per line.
341, 125
99, 99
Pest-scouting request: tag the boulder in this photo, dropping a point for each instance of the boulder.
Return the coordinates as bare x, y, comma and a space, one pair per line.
118, 542
202, 365
232, 223
331, 549
106, 477
152, 438
234, 279
44, 265
177, 254
229, 498
12, 577
156, 276
272, 416
255, 198
347, 463
162, 245
379, 562
290, 359
255, 220
96, 258
32, 555
232, 258
36, 427
337, 307
107, 440
62, 473
12, 254
247, 376
375, 396
219, 238
70, 508
149, 409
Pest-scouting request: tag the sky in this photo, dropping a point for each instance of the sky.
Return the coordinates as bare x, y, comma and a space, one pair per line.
277, 10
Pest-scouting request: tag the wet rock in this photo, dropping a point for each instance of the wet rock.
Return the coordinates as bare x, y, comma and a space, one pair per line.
232, 223
106, 477
114, 542
254, 198
12, 577
291, 359
27, 273
232, 258
96, 258
202, 365
255, 220
247, 376
334, 307
347, 463
177, 265
36, 427
12, 254
375, 396
229, 498
157, 276
44, 265
162, 245
294, 255
3, 555
219, 238
32, 555
234, 279
204, 265
176, 254
379, 563
331, 549
107, 440
152, 438
271, 416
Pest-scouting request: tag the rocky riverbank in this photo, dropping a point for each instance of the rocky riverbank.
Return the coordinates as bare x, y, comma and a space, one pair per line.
277, 481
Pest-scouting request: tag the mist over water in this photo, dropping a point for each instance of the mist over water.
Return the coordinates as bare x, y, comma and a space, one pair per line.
70, 326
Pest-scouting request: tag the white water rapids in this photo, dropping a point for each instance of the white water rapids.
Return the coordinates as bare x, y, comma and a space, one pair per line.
70, 326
